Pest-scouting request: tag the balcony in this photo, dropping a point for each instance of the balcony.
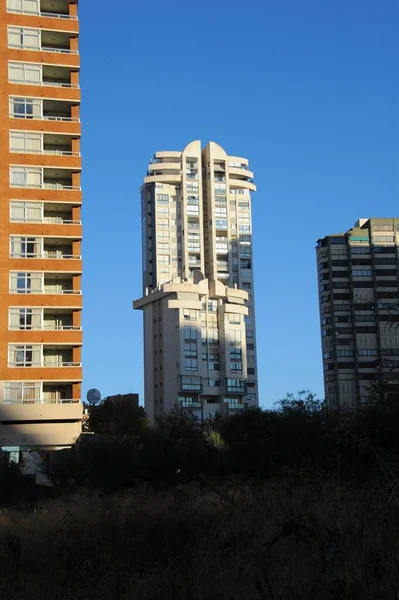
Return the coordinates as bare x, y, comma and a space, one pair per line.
59, 287
42, 319
39, 212
47, 143
59, 357
38, 247
44, 178
37, 40
190, 383
57, 9
38, 355
46, 110
236, 386
57, 77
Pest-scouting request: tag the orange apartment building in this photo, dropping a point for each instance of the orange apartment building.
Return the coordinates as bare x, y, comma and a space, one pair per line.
40, 226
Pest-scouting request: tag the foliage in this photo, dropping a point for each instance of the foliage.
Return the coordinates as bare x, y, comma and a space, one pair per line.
117, 418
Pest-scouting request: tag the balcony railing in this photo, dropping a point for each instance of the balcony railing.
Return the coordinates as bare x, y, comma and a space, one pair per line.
63, 84
47, 186
43, 49
44, 151
53, 292
45, 327
44, 363
41, 401
44, 117
52, 220
42, 14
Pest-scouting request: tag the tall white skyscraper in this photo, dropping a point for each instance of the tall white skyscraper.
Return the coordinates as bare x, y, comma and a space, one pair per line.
198, 296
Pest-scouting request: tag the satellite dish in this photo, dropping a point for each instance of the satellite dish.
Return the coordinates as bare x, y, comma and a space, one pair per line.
93, 396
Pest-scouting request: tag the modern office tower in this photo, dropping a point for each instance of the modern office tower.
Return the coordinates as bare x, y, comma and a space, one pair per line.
359, 312
40, 228
198, 297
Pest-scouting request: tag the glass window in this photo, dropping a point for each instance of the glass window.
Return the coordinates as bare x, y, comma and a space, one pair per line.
23, 392
191, 364
190, 333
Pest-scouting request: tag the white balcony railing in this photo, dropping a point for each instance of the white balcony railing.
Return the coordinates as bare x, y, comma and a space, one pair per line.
43, 49
47, 186
43, 14
52, 220
45, 327
53, 152
51, 254
51, 292
62, 84
41, 401
45, 363
44, 117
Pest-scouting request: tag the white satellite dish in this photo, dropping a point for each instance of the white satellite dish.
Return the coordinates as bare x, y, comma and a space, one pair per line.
93, 396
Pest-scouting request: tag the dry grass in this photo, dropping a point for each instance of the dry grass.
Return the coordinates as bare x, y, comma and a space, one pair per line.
283, 540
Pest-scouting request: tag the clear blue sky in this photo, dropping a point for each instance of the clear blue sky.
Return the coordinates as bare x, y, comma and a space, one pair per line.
307, 90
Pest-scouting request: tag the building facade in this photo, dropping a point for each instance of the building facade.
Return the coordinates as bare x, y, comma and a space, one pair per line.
40, 226
359, 312
198, 296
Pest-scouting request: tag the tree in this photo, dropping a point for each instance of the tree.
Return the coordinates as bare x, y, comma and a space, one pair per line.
118, 417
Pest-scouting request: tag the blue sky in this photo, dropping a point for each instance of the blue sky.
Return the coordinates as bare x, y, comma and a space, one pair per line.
307, 90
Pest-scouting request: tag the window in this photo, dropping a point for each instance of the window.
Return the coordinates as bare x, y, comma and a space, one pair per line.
26, 283
164, 248
162, 199
235, 354
162, 210
245, 263
251, 371
163, 223
190, 333
190, 350
28, 212
235, 335
193, 246
250, 359
25, 108
243, 228
344, 352
163, 259
212, 305
192, 209
236, 385
191, 364
24, 73
360, 250
191, 383
384, 238
21, 141
243, 205
220, 211
234, 318
26, 177
236, 367
25, 6
21, 392
24, 356
250, 333
28, 39
362, 273
367, 352
213, 336
193, 200
190, 315
24, 247
221, 223
25, 319
214, 382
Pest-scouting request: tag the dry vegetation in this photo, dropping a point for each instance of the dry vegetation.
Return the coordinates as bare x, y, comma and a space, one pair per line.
284, 505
